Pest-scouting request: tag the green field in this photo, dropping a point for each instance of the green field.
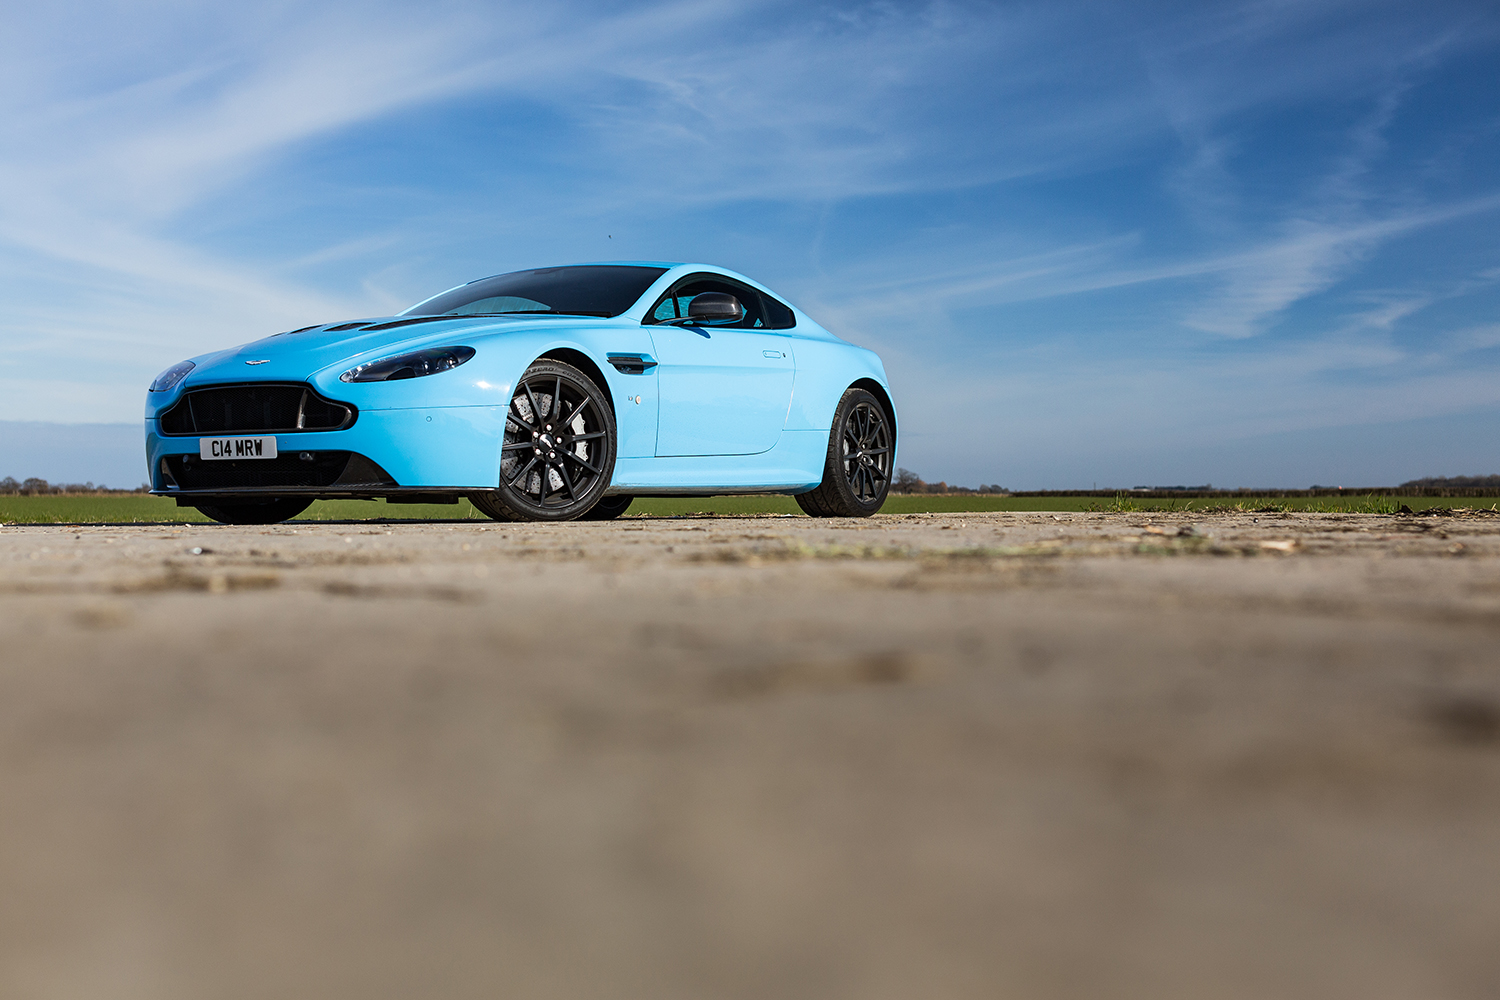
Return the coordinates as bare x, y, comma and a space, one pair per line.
137, 508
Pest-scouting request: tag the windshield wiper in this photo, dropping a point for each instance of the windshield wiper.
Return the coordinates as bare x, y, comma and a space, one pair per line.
534, 312
409, 320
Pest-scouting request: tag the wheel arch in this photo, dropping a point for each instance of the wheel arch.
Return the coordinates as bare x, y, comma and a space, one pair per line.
877, 390
578, 359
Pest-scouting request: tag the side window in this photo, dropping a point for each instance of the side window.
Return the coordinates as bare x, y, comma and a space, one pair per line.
778, 316
675, 302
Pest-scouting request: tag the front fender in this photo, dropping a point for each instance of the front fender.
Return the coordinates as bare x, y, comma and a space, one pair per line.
500, 359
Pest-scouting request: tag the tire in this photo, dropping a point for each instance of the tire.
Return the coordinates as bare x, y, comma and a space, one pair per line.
857, 472
256, 512
556, 466
608, 509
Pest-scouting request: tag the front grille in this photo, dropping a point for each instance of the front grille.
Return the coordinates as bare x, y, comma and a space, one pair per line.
307, 469
255, 409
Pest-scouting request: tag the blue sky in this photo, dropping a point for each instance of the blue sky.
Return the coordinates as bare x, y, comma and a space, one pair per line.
1239, 243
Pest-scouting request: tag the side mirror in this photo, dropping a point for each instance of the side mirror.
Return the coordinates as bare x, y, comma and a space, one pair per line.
715, 306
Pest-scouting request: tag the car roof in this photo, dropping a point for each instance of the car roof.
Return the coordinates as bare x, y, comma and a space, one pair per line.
674, 270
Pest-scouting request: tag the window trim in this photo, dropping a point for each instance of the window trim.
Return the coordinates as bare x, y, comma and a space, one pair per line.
650, 317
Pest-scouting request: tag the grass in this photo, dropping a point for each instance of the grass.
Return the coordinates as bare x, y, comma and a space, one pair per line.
127, 508
137, 507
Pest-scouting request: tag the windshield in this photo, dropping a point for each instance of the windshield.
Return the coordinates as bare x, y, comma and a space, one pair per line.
584, 290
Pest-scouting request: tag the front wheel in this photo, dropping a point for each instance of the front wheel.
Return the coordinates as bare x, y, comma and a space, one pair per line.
558, 453
256, 512
857, 472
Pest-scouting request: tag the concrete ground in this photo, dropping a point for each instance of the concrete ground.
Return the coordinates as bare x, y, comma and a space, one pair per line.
982, 755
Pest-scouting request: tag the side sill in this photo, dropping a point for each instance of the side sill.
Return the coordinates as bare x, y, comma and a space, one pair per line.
688, 492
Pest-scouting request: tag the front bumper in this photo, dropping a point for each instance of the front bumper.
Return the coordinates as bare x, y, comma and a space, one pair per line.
438, 450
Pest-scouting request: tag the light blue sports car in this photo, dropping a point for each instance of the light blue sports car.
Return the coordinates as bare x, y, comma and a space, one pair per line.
546, 395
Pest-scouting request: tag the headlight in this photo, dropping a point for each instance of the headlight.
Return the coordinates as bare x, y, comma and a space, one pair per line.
413, 365
169, 378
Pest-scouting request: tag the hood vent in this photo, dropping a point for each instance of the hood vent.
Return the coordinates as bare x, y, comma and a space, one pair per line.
413, 320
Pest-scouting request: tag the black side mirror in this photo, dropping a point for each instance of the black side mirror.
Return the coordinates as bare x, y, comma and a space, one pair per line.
715, 306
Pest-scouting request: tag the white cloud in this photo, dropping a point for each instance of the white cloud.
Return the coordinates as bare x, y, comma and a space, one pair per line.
127, 119
134, 130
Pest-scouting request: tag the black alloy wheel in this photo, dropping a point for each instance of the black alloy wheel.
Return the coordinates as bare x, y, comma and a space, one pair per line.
608, 509
558, 453
255, 511
857, 473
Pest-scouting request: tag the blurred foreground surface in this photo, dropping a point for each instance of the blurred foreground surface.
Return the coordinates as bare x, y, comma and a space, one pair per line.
980, 755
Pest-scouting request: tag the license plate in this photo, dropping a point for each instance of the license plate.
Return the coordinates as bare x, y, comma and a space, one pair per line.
236, 447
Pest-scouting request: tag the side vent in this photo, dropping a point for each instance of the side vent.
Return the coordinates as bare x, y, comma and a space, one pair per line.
632, 364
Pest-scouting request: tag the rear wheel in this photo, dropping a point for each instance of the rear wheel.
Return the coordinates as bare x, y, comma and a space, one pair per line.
857, 472
608, 509
256, 512
558, 453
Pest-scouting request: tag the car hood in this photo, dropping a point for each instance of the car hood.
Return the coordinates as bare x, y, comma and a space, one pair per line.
297, 356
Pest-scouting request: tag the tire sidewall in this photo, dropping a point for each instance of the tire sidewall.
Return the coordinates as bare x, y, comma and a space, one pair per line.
608, 508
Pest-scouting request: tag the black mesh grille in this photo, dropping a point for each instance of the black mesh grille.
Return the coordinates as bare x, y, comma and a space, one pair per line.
338, 469
255, 409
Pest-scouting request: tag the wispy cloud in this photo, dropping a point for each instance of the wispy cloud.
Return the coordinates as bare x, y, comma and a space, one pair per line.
113, 157
1252, 284
1088, 207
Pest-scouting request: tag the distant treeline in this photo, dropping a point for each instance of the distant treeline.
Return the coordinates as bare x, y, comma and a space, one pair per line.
1451, 482
1272, 492
907, 481
40, 487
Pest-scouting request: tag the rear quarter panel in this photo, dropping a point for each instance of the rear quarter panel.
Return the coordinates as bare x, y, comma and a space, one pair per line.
825, 368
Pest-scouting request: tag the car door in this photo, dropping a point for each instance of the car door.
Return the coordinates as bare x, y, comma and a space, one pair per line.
723, 389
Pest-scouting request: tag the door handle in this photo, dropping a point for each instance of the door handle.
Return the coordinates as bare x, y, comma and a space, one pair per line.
773, 354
